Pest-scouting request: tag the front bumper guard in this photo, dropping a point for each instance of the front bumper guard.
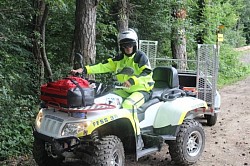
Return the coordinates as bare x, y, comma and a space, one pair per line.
57, 143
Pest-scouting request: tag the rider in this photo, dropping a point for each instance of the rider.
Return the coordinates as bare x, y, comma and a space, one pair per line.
140, 83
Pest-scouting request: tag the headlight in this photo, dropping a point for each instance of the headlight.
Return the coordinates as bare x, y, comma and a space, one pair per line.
72, 129
39, 119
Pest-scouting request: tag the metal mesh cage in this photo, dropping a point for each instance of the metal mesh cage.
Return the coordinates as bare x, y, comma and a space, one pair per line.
205, 67
207, 71
150, 49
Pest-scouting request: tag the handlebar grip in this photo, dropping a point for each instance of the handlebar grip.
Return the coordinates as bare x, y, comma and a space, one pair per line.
118, 84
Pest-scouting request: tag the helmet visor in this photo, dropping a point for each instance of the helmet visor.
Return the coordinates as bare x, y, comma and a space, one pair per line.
128, 45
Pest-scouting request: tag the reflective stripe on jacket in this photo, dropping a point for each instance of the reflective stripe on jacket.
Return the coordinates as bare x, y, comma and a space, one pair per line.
140, 80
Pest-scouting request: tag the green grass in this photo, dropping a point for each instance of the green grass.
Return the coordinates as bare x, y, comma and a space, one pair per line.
231, 68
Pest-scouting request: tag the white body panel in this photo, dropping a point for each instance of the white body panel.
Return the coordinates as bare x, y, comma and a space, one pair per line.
150, 114
174, 112
110, 98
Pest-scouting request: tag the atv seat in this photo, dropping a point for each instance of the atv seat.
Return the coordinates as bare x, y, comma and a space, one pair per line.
165, 78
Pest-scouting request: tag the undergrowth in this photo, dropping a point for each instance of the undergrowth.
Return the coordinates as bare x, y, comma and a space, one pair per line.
231, 69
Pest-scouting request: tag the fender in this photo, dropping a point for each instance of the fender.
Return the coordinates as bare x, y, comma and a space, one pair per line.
107, 117
217, 102
173, 112
88, 121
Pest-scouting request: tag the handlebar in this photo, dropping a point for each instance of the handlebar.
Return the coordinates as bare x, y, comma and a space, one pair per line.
120, 87
101, 88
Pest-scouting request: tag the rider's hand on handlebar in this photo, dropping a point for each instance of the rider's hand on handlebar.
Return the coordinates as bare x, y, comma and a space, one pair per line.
78, 71
127, 84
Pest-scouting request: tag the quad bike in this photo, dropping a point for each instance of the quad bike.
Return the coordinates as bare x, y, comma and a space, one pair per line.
100, 134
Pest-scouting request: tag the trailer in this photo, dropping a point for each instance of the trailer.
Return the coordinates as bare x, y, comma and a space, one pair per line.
198, 76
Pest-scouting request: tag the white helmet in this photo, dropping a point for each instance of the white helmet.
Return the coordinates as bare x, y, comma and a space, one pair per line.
128, 36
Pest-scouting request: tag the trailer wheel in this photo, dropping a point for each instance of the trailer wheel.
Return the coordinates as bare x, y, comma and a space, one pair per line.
211, 119
189, 143
106, 151
42, 157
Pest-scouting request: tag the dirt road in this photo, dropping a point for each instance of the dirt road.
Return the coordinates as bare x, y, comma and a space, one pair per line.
228, 142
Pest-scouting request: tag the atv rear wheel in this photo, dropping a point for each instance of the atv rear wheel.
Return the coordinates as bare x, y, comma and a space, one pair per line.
106, 151
189, 143
42, 157
211, 119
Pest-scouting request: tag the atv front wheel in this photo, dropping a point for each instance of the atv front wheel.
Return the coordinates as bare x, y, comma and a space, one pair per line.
211, 119
106, 151
189, 143
42, 157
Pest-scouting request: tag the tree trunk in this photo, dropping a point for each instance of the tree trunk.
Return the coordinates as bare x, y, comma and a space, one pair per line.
178, 39
39, 50
178, 47
44, 55
85, 34
123, 15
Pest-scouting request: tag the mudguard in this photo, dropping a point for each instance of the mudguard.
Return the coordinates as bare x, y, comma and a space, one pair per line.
174, 112
217, 102
106, 117
51, 121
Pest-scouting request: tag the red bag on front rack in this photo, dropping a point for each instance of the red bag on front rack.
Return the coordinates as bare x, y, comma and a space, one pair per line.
68, 92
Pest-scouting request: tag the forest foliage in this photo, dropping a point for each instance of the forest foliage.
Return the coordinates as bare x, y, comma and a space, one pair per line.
19, 71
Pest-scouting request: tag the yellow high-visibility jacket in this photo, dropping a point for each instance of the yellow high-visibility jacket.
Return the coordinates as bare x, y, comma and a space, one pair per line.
141, 80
